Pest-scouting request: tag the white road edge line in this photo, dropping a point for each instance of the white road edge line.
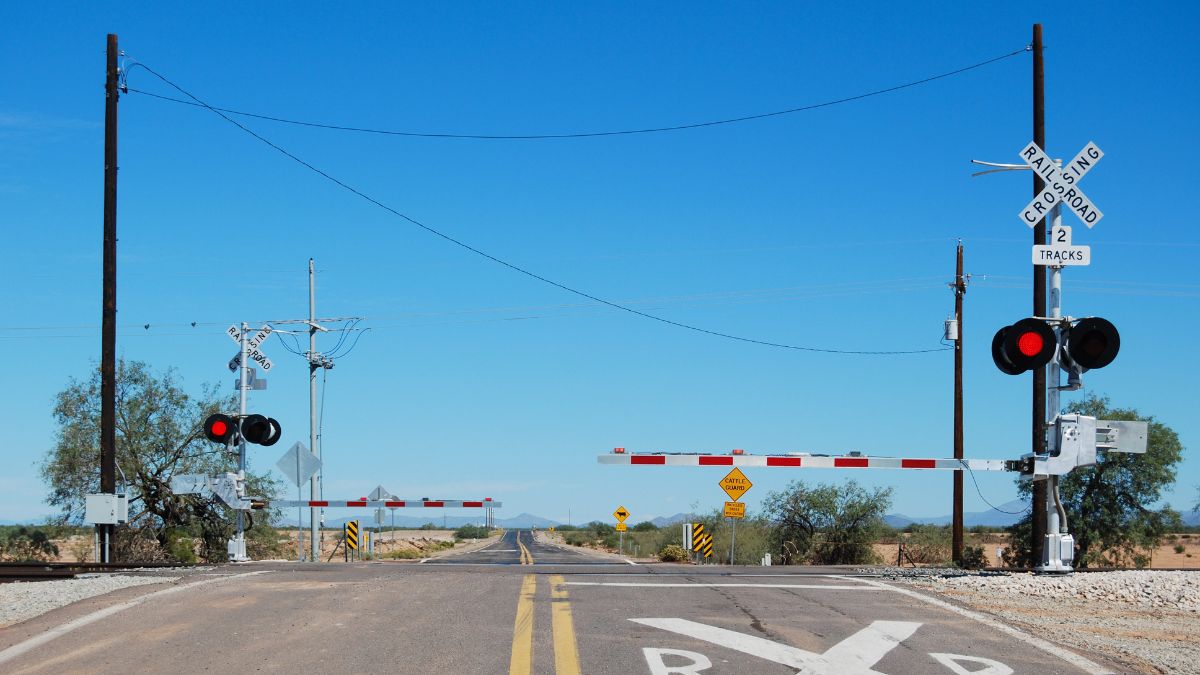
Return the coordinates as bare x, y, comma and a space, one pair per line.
58, 631
819, 587
423, 561
631, 562
1048, 647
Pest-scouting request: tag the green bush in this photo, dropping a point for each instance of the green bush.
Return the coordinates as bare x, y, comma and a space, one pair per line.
404, 554
973, 558
472, 532
673, 553
25, 545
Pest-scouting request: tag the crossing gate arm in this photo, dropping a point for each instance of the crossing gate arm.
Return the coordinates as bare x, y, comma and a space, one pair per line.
805, 461
388, 504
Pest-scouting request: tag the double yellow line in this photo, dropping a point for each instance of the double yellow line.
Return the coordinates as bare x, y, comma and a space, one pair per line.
562, 625
526, 556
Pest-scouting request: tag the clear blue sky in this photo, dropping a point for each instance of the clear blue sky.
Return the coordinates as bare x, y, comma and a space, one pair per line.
833, 228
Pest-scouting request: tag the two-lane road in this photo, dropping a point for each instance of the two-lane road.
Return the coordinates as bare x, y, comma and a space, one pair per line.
523, 547
563, 611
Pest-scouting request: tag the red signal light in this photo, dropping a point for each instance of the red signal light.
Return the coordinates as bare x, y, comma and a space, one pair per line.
1025, 345
219, 428
1030, 343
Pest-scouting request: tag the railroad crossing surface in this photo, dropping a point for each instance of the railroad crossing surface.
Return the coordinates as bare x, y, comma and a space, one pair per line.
525, 606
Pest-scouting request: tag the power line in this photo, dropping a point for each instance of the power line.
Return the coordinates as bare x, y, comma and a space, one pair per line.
586, 134
516, 268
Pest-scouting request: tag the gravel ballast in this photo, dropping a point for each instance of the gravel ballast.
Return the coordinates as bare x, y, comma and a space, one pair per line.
1146, 619
22, 601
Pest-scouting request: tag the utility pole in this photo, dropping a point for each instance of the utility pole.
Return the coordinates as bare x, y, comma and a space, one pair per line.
1039, 298
314, 486
316, 361
960, 289
108, 333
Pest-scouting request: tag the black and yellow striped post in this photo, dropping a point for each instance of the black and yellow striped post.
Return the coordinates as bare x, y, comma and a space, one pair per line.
697, 537
351, 537
707, 546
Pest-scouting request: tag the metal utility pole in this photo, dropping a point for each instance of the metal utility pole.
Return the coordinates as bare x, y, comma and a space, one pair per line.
1039, 297
960, 289
314, 486
108, 333
238, 554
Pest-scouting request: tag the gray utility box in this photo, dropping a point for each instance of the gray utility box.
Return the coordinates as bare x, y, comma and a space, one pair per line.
106, 509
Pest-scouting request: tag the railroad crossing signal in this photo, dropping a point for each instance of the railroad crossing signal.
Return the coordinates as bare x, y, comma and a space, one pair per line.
1031, 343
261, 430
1061, 184
735, 484
620, 514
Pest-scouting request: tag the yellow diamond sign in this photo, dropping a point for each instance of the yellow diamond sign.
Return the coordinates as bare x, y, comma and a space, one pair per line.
735, 484
620, 514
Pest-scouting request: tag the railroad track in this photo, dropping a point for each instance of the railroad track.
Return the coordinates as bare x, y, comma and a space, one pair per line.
44, 571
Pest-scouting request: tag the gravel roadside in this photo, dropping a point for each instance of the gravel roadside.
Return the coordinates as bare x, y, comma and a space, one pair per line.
1148, 620
22, 601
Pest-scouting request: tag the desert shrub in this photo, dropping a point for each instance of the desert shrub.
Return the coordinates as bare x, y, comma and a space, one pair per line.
973, 558
1180, 548
929, 544
673, 553
24, 545
404, 554
471, 532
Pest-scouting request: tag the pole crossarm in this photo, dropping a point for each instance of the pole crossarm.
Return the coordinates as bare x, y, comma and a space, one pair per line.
388, 504
804, 461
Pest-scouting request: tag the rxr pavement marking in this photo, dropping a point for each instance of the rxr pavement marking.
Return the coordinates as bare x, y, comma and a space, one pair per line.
853, 656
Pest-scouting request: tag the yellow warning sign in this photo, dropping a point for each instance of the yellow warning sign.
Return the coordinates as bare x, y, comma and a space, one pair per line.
621, 527
351, 534
735, 510
735, 484
620, 514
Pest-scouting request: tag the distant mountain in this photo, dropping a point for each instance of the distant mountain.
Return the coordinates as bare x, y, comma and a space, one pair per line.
527, 520
990, 518
1191, 518
663, 521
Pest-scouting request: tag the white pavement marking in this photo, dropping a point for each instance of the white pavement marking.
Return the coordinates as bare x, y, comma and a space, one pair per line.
657, 664
819, 587
58, 631
1048, 647
952, 661
630, 562
853, 656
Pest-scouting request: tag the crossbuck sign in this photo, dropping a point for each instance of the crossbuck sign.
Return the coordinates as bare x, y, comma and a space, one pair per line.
1062, 184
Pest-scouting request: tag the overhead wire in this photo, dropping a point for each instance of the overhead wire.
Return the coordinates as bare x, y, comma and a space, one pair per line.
513, 266
584, 134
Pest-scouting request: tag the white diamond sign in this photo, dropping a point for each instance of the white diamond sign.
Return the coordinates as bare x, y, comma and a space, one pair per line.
298, 464
1062, 184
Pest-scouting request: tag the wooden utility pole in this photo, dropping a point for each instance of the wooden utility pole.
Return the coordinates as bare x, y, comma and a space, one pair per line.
1039, 301
960, 289
108, 332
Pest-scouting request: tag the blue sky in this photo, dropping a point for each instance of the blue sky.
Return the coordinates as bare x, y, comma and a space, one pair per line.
832, 228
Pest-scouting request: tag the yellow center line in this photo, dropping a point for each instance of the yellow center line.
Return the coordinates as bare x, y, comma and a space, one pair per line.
522, 644
566, 655
526, 556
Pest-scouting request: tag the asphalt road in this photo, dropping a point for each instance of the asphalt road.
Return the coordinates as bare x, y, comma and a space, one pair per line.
522, 606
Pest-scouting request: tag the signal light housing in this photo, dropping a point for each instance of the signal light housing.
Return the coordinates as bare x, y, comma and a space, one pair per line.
1092, 343
1023, 346
261, 430
220, 428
